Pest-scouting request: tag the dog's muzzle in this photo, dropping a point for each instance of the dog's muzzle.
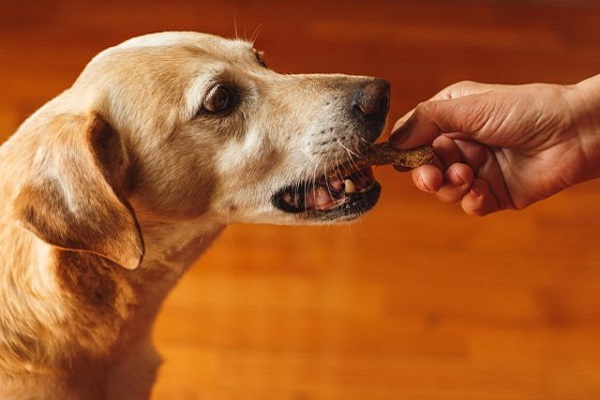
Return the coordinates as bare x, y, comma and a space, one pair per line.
348, 189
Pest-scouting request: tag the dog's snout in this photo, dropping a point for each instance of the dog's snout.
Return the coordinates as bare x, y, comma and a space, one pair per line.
370, 105
373, 99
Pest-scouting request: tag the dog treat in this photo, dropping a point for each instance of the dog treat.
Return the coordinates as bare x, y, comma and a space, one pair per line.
384, 154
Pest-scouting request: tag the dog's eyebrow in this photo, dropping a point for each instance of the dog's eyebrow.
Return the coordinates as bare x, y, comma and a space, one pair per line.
260, 57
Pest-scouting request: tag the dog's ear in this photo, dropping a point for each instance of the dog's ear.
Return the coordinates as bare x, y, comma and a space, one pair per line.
73, 199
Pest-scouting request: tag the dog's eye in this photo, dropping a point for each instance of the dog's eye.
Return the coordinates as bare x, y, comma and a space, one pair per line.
219, 99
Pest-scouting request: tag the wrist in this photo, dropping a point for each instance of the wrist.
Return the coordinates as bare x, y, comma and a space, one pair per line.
585, 105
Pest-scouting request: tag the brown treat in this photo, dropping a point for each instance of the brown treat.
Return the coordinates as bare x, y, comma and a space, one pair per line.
384, 154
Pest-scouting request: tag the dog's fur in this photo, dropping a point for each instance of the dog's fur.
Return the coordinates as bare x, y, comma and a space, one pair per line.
112, 189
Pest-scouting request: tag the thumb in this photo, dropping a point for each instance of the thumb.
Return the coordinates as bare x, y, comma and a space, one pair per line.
417, 130
463, 116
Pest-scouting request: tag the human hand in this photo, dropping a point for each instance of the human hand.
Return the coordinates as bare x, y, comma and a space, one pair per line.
505, 147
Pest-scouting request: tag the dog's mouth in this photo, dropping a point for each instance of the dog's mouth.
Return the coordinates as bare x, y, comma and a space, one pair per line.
342, 195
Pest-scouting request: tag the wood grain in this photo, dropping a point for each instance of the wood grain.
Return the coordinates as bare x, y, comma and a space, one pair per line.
416, 300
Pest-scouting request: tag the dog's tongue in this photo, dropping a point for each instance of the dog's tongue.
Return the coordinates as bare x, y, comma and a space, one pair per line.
320, 198
332, 192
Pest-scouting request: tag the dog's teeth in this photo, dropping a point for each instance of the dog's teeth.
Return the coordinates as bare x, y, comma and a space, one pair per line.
349, 186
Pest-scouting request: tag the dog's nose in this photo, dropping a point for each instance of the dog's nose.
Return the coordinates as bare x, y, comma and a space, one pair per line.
370, 105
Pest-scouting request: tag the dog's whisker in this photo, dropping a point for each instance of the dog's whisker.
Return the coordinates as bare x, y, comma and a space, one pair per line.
235, 26
350, 152
362, 139
257, 33
327, 186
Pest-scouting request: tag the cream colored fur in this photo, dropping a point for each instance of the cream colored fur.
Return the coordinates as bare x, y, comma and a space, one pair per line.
115, 187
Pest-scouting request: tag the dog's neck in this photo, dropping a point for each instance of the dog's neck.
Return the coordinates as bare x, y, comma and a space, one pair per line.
172, 247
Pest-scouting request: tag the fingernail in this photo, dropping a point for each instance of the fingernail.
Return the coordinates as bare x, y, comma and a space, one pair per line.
475, 192
425, 186
399, 136
456, 179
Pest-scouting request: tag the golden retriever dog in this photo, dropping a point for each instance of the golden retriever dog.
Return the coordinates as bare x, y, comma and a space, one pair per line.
113, 189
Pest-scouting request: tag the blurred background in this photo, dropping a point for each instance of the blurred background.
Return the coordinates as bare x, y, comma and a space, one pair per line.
414, 301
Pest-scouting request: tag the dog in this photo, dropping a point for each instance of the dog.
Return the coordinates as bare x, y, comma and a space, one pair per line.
114, 188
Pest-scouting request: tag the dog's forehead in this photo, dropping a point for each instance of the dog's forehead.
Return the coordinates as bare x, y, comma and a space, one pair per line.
209, 43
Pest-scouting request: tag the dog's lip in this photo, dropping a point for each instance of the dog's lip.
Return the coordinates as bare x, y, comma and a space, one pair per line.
343, 193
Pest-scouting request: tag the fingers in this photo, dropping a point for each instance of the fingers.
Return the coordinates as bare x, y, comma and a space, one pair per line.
427, 178
479, 200
457, 185
449, 187
457, 182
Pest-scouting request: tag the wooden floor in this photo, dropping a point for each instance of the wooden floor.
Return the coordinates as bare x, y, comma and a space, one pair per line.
416, 301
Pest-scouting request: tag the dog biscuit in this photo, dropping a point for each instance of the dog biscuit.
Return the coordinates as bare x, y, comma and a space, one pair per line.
385, 154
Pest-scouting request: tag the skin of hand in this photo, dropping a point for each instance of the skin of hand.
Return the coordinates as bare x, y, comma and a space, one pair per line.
504, 147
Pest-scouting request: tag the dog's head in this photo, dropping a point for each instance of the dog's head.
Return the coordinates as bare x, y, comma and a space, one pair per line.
211, 128
200, 126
